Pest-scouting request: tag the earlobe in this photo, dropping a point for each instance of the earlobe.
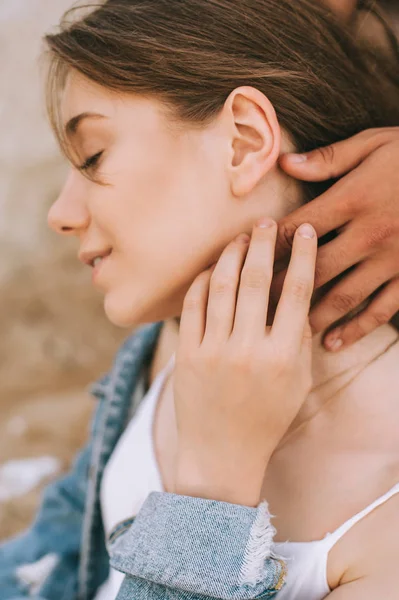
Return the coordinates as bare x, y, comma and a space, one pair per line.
256, 138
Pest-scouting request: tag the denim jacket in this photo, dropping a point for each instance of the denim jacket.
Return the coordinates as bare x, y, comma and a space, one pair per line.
176, 548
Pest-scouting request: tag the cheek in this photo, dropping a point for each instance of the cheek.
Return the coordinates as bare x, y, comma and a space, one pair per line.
166, 222
166, 207
153, 269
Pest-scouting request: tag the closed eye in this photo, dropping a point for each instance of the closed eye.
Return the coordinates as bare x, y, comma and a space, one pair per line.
91, 162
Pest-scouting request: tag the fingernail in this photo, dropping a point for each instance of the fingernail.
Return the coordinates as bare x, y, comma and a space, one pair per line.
297, 158
306, 231
334, 342
264, 222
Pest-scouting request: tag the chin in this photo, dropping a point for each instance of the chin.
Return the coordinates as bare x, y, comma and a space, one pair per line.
121, 312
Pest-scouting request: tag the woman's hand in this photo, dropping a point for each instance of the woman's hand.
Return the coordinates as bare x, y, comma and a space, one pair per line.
238, 384
364, 207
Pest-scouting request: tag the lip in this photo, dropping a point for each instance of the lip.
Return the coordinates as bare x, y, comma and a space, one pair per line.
87, 257
97, 269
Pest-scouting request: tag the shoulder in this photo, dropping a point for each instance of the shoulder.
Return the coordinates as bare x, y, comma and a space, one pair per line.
370, 550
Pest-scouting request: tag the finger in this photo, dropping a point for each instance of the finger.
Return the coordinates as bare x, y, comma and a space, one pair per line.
223, 291
349, 293
254, 289
379, 312
337, 159
333, 258
344, 8
337, 256
293, 308
330, 211
192, 320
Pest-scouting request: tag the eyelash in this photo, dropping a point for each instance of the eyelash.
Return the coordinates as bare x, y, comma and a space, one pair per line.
91, 161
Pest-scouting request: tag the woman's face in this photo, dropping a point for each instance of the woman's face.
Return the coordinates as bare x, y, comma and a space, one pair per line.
166, 210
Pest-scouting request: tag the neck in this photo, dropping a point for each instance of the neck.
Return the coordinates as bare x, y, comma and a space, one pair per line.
342, 375
338, 375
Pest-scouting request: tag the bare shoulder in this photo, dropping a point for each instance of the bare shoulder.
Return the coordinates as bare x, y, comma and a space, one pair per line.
368, 588
369, 552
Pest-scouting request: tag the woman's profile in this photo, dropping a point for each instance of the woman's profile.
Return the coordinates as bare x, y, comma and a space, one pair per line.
174, 116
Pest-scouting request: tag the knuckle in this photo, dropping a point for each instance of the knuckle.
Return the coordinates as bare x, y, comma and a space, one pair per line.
191, 304
192, 301
209, 358
256, 278
380, 234
300, 289
343, 302
379, 318
241, 360
281, 362
223, 284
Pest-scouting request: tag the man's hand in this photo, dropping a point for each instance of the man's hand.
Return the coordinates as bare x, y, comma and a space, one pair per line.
344, 8
364, 207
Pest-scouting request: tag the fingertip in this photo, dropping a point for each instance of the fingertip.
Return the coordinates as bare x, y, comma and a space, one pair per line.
307, 166
333, 342
307, 231
295, 159
292, 161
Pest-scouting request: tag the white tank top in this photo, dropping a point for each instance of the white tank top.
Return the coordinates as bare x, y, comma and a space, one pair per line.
132, 473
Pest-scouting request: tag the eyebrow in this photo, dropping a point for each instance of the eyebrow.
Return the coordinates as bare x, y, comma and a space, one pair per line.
73, 124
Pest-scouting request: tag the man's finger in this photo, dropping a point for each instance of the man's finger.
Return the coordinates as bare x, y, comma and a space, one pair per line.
333, 258
343, 8
349, 293
338, 159
379, 312
328, 212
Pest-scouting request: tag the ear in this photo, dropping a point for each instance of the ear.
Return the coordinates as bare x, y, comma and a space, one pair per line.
255, 138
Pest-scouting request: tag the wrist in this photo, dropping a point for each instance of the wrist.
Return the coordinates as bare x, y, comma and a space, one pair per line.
226, 483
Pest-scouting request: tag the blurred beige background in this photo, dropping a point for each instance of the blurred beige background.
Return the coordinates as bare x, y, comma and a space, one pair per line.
54, 337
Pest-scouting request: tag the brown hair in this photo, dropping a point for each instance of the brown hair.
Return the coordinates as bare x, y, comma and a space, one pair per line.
192, 53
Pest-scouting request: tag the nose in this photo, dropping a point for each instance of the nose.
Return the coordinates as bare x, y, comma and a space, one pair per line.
69, 215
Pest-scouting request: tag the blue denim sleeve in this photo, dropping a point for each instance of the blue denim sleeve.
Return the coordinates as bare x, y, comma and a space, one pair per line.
187, 548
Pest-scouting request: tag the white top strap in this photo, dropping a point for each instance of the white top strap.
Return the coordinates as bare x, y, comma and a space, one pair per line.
333, 538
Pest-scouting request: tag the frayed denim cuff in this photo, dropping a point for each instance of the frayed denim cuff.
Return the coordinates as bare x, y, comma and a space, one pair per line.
207, 547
